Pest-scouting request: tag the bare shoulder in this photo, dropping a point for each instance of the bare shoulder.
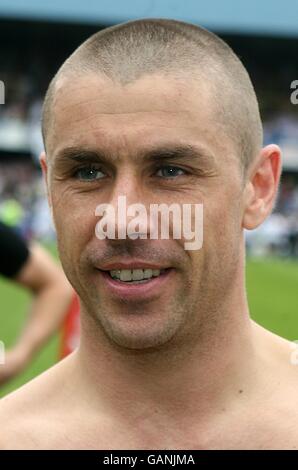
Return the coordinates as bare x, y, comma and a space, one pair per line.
279, 354
278, 366
28, 412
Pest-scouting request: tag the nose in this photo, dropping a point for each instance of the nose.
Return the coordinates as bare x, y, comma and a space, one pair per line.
127, 184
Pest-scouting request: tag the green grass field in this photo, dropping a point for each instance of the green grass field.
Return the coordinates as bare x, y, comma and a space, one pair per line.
273, 298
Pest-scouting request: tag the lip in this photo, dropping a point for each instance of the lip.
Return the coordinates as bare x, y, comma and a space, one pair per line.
143, 291
137, 264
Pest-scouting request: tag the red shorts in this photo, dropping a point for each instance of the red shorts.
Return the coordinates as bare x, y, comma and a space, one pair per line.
71, 328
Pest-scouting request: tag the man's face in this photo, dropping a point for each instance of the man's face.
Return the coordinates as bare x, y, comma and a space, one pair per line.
137, 129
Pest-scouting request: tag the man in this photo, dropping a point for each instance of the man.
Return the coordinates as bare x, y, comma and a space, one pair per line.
33, 269
158, 111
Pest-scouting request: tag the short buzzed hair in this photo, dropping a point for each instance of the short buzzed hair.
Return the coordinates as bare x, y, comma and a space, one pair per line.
126, 52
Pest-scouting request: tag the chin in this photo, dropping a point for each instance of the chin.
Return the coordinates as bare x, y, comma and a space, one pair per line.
140, 341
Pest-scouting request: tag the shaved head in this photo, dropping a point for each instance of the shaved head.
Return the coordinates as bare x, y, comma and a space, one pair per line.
127, 52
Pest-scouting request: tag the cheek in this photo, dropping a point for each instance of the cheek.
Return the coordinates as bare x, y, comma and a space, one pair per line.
75, 221
215, 264
222, 224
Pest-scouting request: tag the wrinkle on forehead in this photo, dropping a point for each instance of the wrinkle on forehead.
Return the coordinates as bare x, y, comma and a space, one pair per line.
106, 93
101, 108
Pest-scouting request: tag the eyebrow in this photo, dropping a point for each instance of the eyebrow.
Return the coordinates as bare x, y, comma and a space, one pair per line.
156, 154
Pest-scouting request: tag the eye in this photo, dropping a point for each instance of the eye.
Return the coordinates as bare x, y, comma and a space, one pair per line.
89, 174
170, 171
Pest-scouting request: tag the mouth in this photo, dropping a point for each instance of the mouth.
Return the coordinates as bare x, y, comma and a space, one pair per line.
136, 284
135, 276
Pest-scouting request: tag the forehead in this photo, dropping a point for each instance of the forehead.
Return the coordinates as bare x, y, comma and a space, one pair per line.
95, 112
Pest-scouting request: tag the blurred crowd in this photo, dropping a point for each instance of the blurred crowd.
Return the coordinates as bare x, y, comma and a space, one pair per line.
23, 203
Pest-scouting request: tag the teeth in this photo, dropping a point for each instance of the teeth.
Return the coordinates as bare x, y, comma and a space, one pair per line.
137, 274
114, 273
147, 273
127, 275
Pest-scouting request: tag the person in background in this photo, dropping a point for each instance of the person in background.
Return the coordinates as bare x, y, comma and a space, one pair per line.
53, 298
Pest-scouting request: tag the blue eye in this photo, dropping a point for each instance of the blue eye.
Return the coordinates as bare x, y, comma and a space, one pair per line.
89, 174
170, 171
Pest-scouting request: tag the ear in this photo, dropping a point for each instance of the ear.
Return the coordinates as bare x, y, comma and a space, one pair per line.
262, 186
44, 168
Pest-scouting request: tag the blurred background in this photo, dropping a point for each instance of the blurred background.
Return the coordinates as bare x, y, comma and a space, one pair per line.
36, 37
